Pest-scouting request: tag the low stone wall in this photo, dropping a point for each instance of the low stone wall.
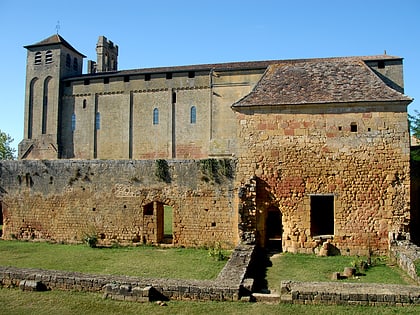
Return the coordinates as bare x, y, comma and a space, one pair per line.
348, 293
405, 254
228, 286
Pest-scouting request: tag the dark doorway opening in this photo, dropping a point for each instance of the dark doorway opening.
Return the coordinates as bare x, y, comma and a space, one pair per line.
274, 228
322, 215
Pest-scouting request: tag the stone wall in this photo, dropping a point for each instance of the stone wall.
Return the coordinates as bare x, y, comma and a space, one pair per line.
405, 255
228, 286
349, 294
358, 157
65, 200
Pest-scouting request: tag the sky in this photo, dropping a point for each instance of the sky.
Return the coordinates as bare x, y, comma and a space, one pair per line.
155, 33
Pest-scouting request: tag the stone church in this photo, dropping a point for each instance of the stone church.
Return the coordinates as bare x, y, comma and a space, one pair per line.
287, 153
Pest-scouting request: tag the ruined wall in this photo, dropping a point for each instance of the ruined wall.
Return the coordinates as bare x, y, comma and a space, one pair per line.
357, 155
66, 200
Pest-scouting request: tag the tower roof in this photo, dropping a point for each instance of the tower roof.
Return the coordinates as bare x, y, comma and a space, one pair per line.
54, 40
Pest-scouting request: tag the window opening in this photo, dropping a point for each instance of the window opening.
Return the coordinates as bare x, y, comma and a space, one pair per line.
84, 104
68, 61
168, 75
191, 74
126, 78
322, 215
173, 97
38, 58
147, 77
86, 82
75, 64
353, 127
106, 80
193, 115
73, 122
155, 116
98, 121
48, 56
381, 64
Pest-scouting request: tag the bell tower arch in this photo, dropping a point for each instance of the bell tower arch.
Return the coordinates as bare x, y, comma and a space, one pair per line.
47, 63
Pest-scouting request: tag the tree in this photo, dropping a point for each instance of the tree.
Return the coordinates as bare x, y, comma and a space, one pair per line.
6, 151
414, 123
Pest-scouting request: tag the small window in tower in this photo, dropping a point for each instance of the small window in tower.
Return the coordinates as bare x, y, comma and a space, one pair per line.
126, 78
106, 80
193, 115
168, 75
381, 64
353, 127
84, 104
147, 77
68, 61
48, 56
191, 74
38, 58
73, 122
75, 64
155, 116
86, 82
97, 121
173, 97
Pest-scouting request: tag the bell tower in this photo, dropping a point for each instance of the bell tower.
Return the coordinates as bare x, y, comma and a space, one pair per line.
47, 63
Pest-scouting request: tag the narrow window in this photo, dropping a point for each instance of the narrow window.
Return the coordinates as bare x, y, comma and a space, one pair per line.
86, 82
173, 97
381, 64
168, 75
48, 56
155, 116
193, 115
106, 80
68, 61
191, 74
75, 64
84, 103
353, 127
322, 215
126, 78
147, 77
98, 121
38, 58
73, 122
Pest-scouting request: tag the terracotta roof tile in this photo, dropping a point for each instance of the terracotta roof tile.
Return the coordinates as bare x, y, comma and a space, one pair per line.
333, 80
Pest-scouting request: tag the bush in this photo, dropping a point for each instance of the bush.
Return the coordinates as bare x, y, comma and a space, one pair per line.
91, 240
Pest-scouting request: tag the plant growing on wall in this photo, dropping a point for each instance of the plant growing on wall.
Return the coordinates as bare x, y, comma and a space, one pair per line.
214, 169
162, 171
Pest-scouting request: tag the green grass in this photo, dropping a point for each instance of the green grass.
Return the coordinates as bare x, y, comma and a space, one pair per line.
14, 301
300, 267
132, 261
168, 217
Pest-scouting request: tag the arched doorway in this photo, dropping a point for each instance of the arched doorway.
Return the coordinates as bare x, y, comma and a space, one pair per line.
274, 228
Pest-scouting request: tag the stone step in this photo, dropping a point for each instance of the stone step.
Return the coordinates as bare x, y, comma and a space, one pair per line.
271, 298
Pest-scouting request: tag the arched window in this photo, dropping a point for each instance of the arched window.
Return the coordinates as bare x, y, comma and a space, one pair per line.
155, 116
68, 61
75, 64
48, 56
38, 58
193, 115
45, 105
98, 121
73, 122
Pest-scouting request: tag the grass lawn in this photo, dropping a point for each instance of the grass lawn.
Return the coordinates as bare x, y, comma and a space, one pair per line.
14, 301
300, 267
139, 261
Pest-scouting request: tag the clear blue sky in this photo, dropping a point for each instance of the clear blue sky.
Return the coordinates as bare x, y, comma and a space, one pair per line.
153, 33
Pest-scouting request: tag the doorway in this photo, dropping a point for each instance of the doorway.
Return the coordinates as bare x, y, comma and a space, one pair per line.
322, 215
274, 228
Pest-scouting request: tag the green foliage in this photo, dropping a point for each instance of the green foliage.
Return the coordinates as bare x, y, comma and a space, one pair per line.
414, 123
91, 240
214, 169
162, 171
417, 265
6, 151
217, 252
